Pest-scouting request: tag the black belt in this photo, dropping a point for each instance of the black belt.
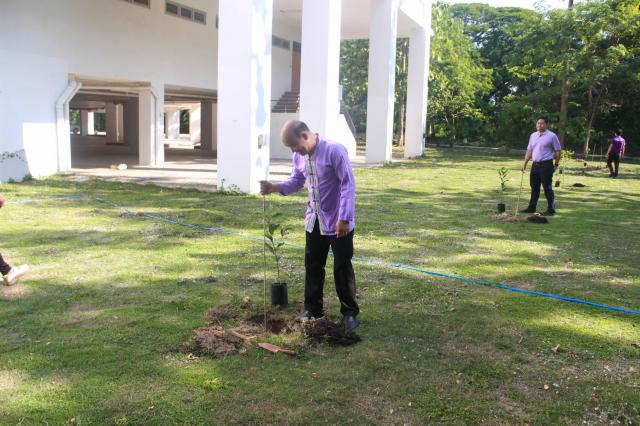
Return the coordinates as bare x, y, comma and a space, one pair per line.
543, 162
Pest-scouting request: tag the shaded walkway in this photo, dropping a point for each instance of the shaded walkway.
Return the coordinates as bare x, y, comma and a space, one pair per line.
183, 168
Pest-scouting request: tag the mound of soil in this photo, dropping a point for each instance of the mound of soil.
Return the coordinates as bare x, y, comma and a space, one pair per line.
537, 219
218, 342
326, 330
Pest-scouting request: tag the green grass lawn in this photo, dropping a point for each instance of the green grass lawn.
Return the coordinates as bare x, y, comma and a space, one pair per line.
100, 331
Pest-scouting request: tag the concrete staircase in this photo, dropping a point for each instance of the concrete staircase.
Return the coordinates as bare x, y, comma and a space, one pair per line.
289, 102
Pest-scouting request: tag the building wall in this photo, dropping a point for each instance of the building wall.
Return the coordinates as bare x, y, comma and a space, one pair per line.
281, 61
116, 39
42, 42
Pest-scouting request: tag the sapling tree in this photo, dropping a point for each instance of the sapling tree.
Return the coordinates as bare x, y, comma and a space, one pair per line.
503, 174
274, 233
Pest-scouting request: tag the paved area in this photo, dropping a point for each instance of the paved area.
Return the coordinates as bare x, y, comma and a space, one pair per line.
91, 157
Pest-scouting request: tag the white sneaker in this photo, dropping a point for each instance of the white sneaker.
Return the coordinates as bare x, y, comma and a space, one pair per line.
14, 274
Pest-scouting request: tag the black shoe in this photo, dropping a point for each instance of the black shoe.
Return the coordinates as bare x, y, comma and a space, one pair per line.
549, 213
306, 316
350, 322
527, 210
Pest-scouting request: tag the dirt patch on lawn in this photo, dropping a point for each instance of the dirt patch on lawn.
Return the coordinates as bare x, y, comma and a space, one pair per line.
326, 330
236, 327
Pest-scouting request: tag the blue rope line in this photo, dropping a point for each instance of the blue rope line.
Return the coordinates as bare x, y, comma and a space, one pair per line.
359, 259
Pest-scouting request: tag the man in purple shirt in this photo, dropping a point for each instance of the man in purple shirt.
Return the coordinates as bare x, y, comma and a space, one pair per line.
330, 219
544, 149
615, 152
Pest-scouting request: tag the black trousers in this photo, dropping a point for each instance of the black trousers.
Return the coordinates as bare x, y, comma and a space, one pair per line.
542, 174
615, 159
315, 260
4, 266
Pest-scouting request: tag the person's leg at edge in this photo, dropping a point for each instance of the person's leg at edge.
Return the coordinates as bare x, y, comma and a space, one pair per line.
343, 274
534, 182
546, 173
4, 266
616, 162
609, 160
315, 259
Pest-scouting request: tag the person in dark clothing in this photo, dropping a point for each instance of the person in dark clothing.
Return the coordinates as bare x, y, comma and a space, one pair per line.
9, 274
615, 152
544, 149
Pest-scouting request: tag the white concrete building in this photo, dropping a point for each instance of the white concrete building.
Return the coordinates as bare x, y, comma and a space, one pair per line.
138, 63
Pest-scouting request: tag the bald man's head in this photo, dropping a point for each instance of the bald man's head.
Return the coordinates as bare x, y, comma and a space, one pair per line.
296, 136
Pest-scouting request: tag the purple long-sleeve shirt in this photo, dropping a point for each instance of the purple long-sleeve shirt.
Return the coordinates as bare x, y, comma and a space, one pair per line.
543, 145
330, 183
618, 143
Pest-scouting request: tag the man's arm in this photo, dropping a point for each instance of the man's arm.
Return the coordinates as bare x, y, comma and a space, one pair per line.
1, 201
622, 149
527, 157
557, 157
342, 169
293, 184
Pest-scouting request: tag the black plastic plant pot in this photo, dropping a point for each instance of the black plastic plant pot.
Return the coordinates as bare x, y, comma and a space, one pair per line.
279, 295
502, 207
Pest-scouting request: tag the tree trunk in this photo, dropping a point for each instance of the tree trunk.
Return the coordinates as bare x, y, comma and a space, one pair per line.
400, 135
564, 110
593, 108
404, 50
564, 100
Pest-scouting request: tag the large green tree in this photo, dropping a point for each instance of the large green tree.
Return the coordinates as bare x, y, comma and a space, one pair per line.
457, 79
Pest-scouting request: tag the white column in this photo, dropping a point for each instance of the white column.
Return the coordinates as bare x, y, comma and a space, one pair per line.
195, 126
151, 125
146, 129
173, 123
244, 92
91, 127
111, 123
382, 78
131, 132
120, 127
417, 84
208, 126
320, 68
159, 145
84, 122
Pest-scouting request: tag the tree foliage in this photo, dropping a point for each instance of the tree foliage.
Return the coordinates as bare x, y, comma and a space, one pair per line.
493, 70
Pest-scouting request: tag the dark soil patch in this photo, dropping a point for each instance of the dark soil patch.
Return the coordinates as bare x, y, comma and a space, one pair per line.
537, 219
326, 330
579, 185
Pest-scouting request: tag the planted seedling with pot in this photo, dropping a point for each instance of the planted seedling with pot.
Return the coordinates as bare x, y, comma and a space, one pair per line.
566, 156
274, 235
503, 174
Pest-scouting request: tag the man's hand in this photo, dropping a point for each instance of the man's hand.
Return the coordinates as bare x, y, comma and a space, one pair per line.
342, 228
524, 167
1, 201
266, 187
